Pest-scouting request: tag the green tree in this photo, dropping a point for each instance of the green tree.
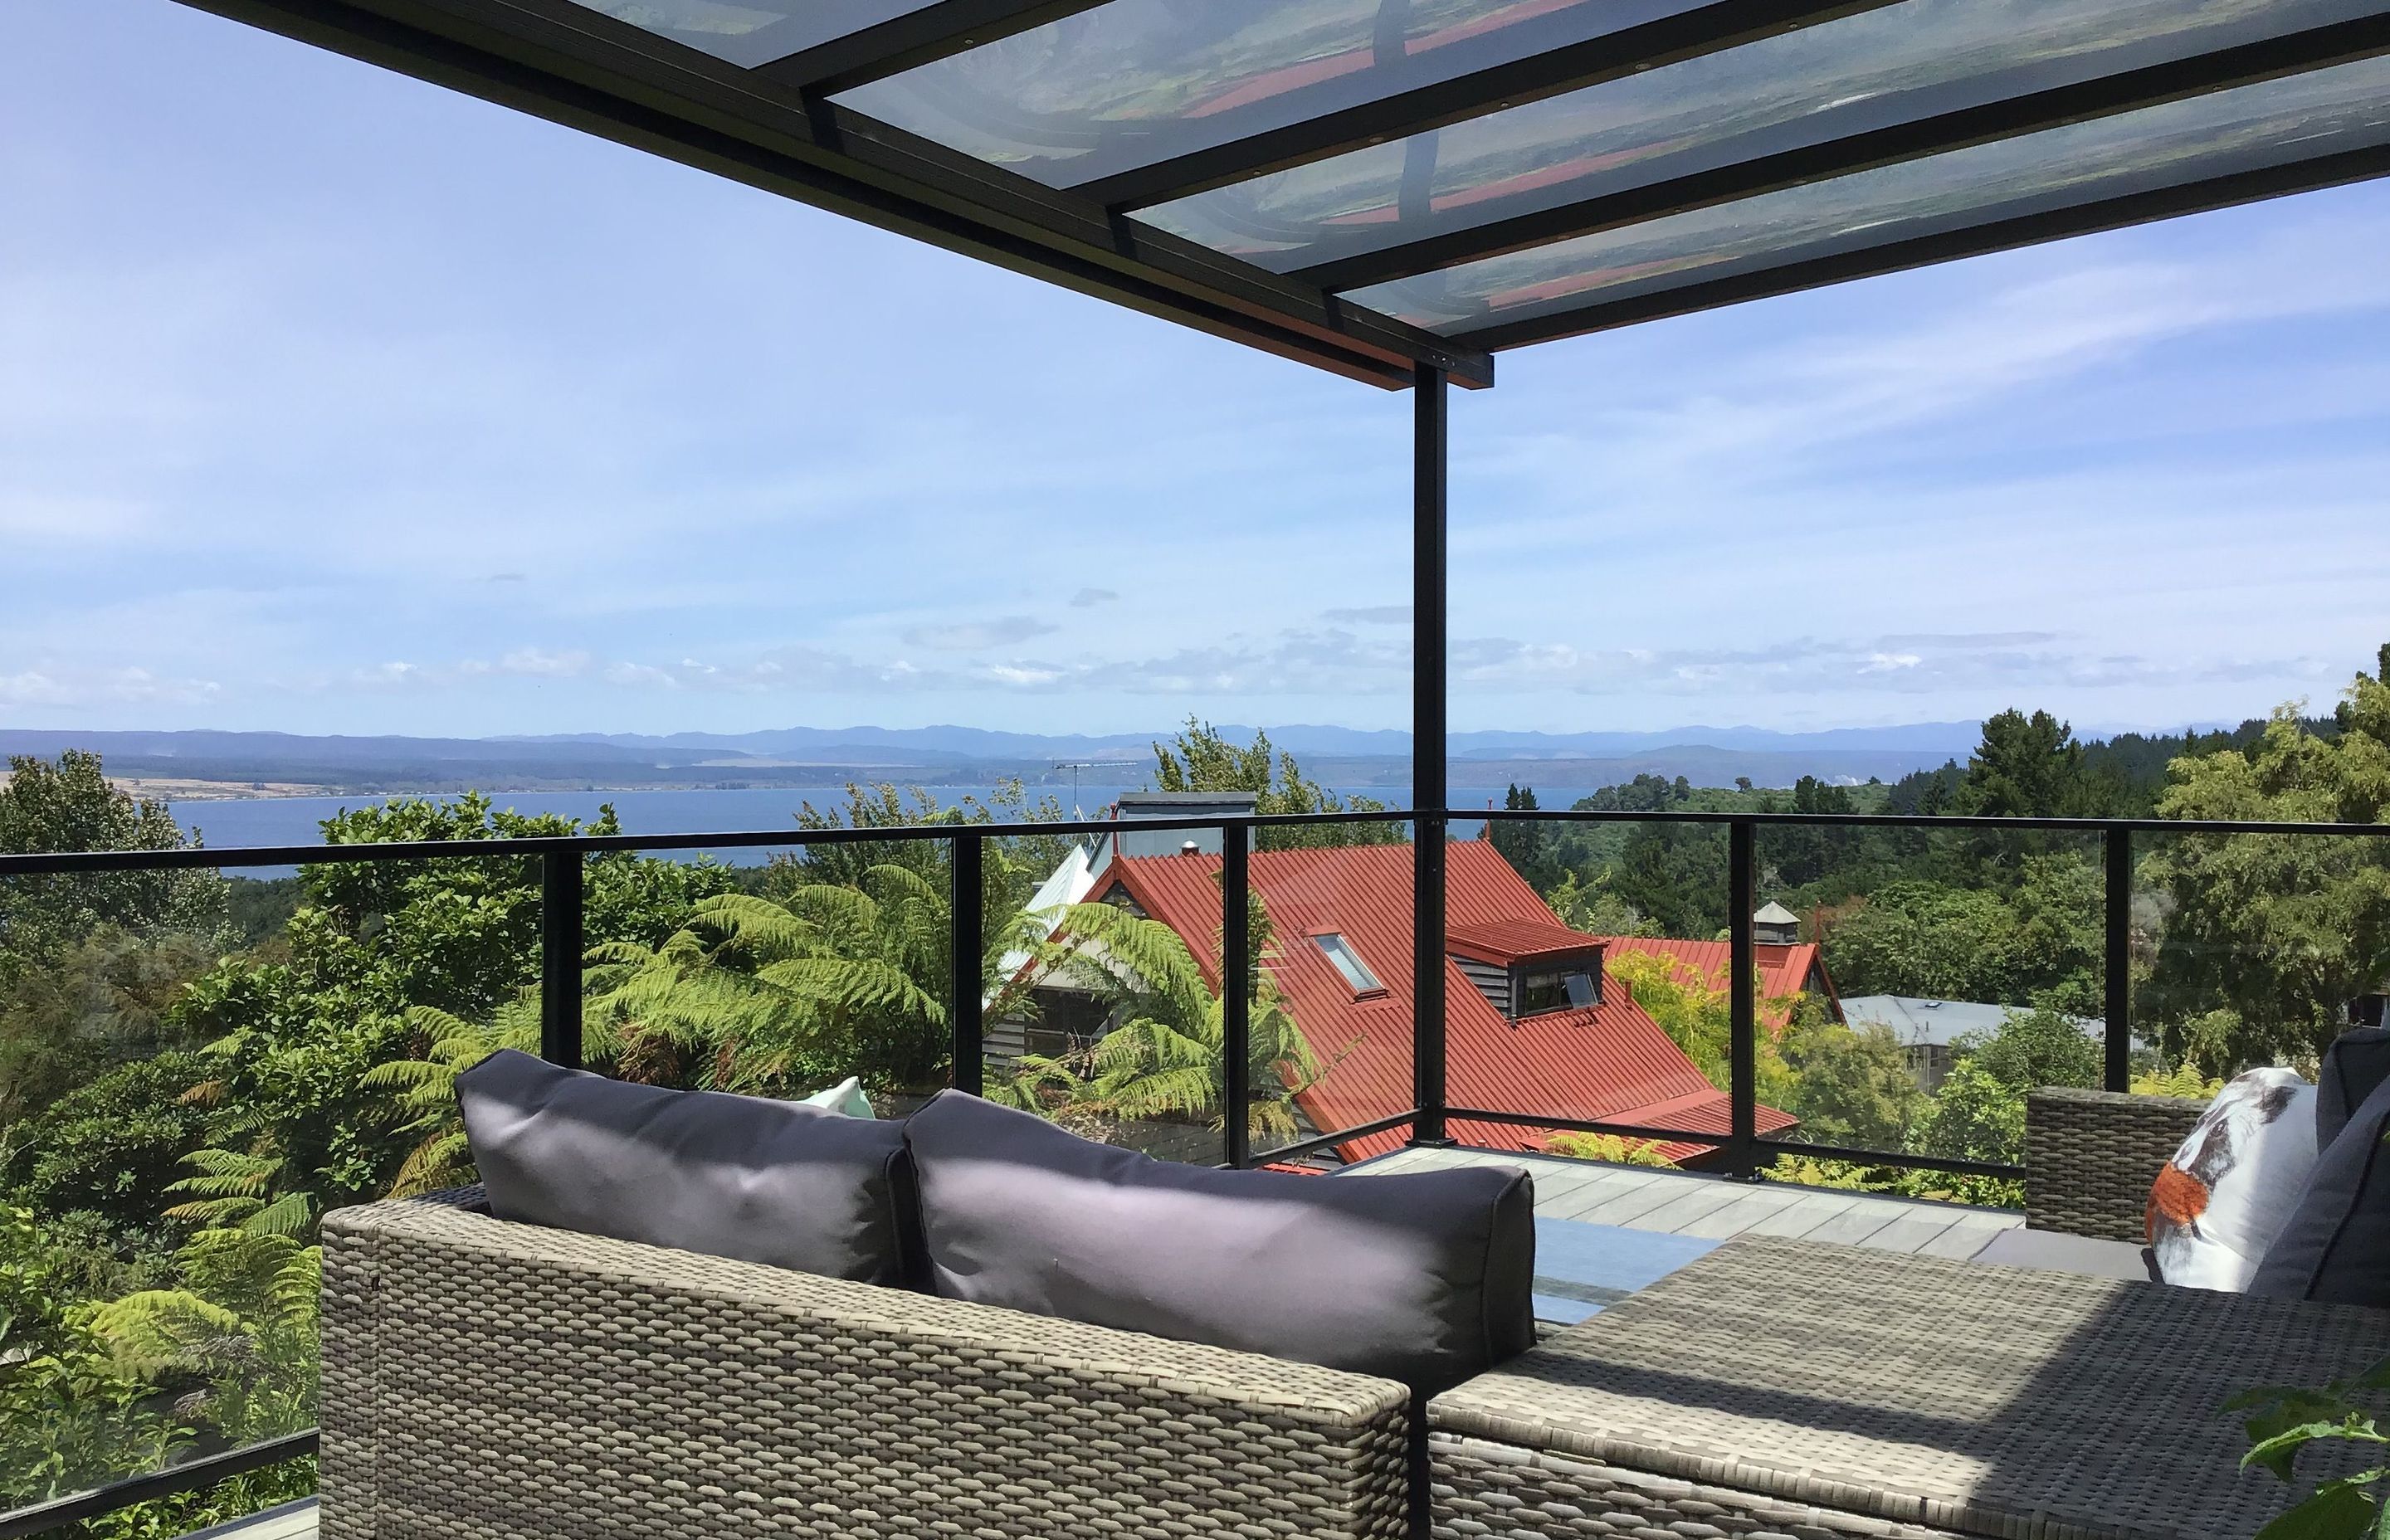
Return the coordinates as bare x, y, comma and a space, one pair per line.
1979, 1112
1676, 873
2025, 767
69, 805
1201, 760
1925, 939
2280, 931
1526, 843
1849, 1086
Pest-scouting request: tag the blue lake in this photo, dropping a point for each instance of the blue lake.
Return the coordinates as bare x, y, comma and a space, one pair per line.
296, 820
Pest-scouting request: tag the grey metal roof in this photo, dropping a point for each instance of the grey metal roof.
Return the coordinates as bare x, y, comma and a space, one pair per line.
1921, 1022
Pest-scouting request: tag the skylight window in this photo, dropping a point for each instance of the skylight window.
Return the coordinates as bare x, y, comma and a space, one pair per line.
1348, 963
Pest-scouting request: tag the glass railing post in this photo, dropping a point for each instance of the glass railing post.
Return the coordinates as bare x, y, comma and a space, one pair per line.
965, 943
1743, 979
560, 948
1236, 997
2118, 984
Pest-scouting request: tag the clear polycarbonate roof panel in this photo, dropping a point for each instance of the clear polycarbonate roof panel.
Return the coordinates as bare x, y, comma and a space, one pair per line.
2252, 128
750, 32
1873, 71
1135, 81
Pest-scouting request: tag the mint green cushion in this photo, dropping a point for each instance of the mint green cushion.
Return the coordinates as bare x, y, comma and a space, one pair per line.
845, 1098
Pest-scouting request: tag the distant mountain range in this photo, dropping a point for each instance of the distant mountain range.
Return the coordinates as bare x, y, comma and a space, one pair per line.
838, 745
964, 756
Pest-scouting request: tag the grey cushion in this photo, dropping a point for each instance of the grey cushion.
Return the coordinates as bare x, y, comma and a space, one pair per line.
2057, 1252
735, 1176
2336, 1243
2357, 1062
1422, 1278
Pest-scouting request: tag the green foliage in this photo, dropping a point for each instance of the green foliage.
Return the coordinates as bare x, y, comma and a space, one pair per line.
1593, 908
2285, 1421
1013, 865
1849, 1086
1979, 1112
69, 1417
1163, 1058
69, 805
1612, 1148
109, 1147
2041, 941
260, 907
1201, 760
2280, 931
425, 1089
96, 1002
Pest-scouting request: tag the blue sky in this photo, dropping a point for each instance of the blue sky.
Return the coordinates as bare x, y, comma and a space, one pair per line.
331, 401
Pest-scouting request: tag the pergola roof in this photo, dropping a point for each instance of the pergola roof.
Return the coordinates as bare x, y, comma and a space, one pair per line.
1372, 185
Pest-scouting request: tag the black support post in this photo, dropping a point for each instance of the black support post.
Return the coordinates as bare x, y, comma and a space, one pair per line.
1236, 997
1429, 796
2117, 1066
560, 957
963, 943
1742, 982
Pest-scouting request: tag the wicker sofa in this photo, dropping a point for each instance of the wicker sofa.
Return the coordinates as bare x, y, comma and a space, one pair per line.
484, 1380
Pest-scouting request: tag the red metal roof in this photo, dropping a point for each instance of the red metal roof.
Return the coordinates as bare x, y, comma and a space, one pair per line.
1611, 1062
1512, 940
1784, 971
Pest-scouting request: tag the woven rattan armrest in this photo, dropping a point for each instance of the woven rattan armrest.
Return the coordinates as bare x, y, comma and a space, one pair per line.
490, 1378
2091, 1157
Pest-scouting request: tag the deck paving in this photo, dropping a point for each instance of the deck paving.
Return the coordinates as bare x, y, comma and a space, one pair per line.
1717, 1208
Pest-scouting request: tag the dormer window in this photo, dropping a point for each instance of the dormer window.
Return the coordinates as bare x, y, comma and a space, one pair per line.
1348, 963
1557, 983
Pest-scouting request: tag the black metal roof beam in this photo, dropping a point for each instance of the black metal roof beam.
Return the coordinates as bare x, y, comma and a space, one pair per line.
2115, 213
2127, 91
571, 65
923, 36
1630, 50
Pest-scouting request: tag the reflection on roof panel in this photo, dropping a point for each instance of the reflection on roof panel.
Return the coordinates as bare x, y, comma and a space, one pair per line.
1873, 71
1134, 81
2252, 128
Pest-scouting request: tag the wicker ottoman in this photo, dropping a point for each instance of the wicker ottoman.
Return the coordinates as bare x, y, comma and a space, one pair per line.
1790, 1391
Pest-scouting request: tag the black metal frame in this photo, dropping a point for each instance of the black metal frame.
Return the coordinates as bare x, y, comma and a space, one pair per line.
574, 66
561, 858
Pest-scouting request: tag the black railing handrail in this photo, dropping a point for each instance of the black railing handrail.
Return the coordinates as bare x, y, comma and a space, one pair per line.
500, 846
562, 876
47, 862
1924, 821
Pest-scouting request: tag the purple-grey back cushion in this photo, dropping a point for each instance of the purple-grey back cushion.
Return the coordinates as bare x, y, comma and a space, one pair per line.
2357, 1062
1422, 1278
733, 1177
2335, 1246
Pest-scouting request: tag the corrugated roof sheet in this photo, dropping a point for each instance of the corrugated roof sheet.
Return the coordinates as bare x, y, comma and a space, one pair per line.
1511, 940
1783, 971
1611, 1062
